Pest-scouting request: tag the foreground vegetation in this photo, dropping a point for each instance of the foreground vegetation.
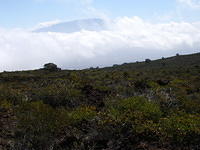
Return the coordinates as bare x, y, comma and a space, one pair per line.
145, 105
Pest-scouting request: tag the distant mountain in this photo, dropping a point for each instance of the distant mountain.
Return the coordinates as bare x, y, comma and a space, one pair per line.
75, 26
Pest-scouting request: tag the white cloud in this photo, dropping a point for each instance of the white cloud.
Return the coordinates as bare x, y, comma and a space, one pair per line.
127, 40
195, 4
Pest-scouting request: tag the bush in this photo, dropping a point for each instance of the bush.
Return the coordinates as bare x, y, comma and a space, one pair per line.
147, 60
60, 96
51, 67
38, 125
82, 113
5, 105
12, 96
137, 108
181, 128
141, 85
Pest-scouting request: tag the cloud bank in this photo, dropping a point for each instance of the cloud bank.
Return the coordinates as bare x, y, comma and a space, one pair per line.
126, 40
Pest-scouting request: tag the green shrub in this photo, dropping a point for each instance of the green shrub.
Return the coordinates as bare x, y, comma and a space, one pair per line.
38, 124
135, 110
140, 105
5, 105
181, 128
11, 95
82, 113
59, 96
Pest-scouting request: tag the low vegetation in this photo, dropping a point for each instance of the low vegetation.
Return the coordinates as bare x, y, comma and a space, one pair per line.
151, 105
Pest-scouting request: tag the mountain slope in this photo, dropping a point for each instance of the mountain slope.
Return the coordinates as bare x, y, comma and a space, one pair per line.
178, 61
145, 105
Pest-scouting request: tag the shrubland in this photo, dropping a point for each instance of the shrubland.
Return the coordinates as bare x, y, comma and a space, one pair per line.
143, 105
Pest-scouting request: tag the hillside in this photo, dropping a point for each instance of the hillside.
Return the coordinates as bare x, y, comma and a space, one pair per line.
152, 105
171, 62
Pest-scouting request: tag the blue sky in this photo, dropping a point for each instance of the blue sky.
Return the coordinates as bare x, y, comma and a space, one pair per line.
27, 13
135, 30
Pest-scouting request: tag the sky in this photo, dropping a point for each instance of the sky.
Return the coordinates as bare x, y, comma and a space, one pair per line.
137, 29
27, 13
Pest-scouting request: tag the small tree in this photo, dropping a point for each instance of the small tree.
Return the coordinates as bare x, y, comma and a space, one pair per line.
51, 67
147, 60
